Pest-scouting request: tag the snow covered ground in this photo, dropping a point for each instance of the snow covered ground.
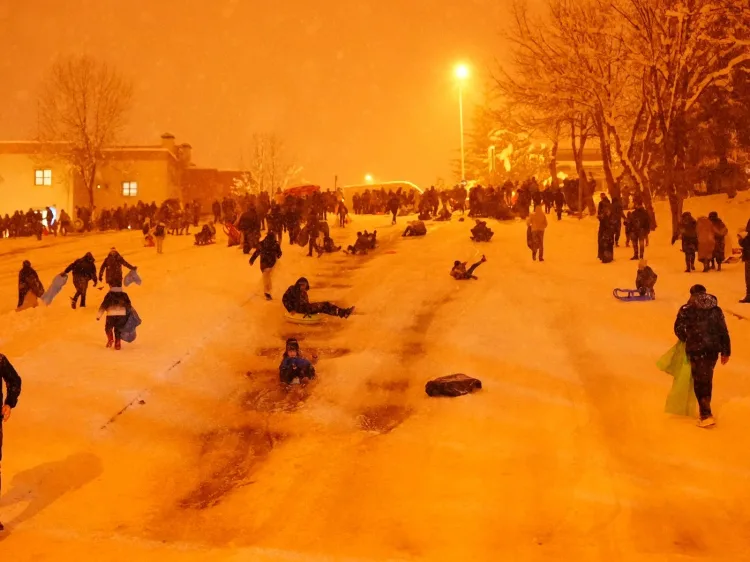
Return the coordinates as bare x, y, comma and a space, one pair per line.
181, 447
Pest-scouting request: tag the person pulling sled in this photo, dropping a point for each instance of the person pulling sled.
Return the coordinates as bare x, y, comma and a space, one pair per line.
84, 270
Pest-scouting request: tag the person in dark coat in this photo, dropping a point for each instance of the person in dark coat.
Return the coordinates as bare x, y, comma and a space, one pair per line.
295, 300
269, 250
745, 245
559, 198
645, 279
294, 368
28, 280
393, 205
313, 227
720, 235
606, 236
12, 381
481, 232
249, 226
415, 228
342, 212
117, 306
639, 225
84, 270
700, 324
460, 273
689, 235
112, 265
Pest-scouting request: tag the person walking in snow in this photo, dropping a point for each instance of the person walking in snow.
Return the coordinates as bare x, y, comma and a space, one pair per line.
460, 273
112, 265
689, 235
559, 199
393, 204
160, 233
700, 324
606, 236
84, 270
704, 229
269, 250
28, 281
640, 228
745, 245
537, 222
117, 306
296, 300
720, 235
12, 381
343, 212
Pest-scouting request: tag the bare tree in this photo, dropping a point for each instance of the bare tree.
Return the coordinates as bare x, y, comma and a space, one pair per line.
83, 108
271, 167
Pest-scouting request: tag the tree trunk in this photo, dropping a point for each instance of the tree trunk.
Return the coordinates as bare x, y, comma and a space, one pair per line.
553, 156
578, 157
90, 187
612, 186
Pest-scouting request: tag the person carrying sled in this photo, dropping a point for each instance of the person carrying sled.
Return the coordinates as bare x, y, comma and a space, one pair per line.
12, 381
645, 279
84, 270
269, 250
745, 245
342, 212
460, 273
28, 281
415, 228
537, 223
112, 265
701, 325
689, 235
295, 369
295, 300
117, 306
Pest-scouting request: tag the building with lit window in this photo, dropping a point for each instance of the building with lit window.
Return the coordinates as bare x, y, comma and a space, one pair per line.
34, 178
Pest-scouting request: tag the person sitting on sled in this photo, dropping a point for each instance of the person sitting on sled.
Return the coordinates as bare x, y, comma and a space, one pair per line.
481, 232
645, 279
294, 368
415, 228
360, 246
460, 272
295, 300
329, 247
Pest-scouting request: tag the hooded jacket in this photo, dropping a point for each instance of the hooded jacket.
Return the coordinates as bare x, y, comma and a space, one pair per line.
701, 325
269, 251
115, 303
12, 382
113, 266
538, 220
295, 298
29, 280
83, 268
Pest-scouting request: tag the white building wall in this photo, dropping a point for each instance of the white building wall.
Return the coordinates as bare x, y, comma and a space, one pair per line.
18, 191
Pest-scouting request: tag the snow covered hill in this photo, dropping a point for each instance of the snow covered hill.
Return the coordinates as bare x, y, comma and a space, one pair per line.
181, 446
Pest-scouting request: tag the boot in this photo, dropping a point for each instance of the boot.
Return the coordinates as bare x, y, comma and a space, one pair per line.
118, 344
746, 300
73, 303
268, 296
110, 341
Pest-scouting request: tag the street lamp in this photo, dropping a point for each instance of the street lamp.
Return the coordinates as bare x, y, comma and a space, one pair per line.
462, 73
368, 178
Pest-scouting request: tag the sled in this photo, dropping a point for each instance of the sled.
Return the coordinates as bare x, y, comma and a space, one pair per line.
304, 319
233, 235
127, 333
54, 288
148, 241
132, 277
630, 295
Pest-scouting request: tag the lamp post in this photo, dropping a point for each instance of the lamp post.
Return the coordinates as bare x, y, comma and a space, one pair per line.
462, 73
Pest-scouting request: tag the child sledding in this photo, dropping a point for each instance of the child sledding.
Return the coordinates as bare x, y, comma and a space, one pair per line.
645, 280
206, 236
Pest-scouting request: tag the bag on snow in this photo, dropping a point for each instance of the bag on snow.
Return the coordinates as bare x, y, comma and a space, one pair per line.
54, 288
132, 277
681, 399
452, 385
128, 330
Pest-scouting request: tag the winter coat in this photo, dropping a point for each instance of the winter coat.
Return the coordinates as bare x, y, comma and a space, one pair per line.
12, 382
701, 325
720, 234
269, 251
83, 269
295, 298
538, 220
745, 244
639, 223
29, 280
295, 367
706, 238
115, 303
113, 266
645, 278
418, 228
689, 234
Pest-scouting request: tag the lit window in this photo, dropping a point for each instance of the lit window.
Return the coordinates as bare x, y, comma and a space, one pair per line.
129, 188
42, 177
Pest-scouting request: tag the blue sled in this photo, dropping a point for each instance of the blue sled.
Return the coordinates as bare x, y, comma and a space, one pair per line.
132, 277
631, 295
54, 288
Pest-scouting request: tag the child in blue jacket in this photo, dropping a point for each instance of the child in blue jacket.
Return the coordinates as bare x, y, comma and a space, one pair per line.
294, 368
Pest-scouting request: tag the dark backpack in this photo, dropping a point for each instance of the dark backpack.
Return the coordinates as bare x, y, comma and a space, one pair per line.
452, 385
159, 231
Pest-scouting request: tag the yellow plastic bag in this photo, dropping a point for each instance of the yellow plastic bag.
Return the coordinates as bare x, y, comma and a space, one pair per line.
681, 399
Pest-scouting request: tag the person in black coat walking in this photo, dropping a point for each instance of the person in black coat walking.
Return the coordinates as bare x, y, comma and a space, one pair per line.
84, 270
640, 227
701, 325
393, 205
689, 235
12, 381
269, 250
112, 265
28, 280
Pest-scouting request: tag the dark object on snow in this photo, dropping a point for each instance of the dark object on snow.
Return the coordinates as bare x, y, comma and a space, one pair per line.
452, 385
632, 295
128, 330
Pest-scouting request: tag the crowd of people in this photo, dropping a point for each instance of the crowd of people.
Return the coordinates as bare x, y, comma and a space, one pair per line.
34, 223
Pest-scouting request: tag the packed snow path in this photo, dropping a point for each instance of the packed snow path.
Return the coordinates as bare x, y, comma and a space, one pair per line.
565, 453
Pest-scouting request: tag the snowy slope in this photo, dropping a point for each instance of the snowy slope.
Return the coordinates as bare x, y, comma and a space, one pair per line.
564, 454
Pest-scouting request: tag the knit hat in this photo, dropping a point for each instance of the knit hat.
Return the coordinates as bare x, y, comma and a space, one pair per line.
697, 289
292, 344
26, 263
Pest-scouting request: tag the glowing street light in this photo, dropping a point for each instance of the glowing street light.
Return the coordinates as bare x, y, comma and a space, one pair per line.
462, 73
368, 178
